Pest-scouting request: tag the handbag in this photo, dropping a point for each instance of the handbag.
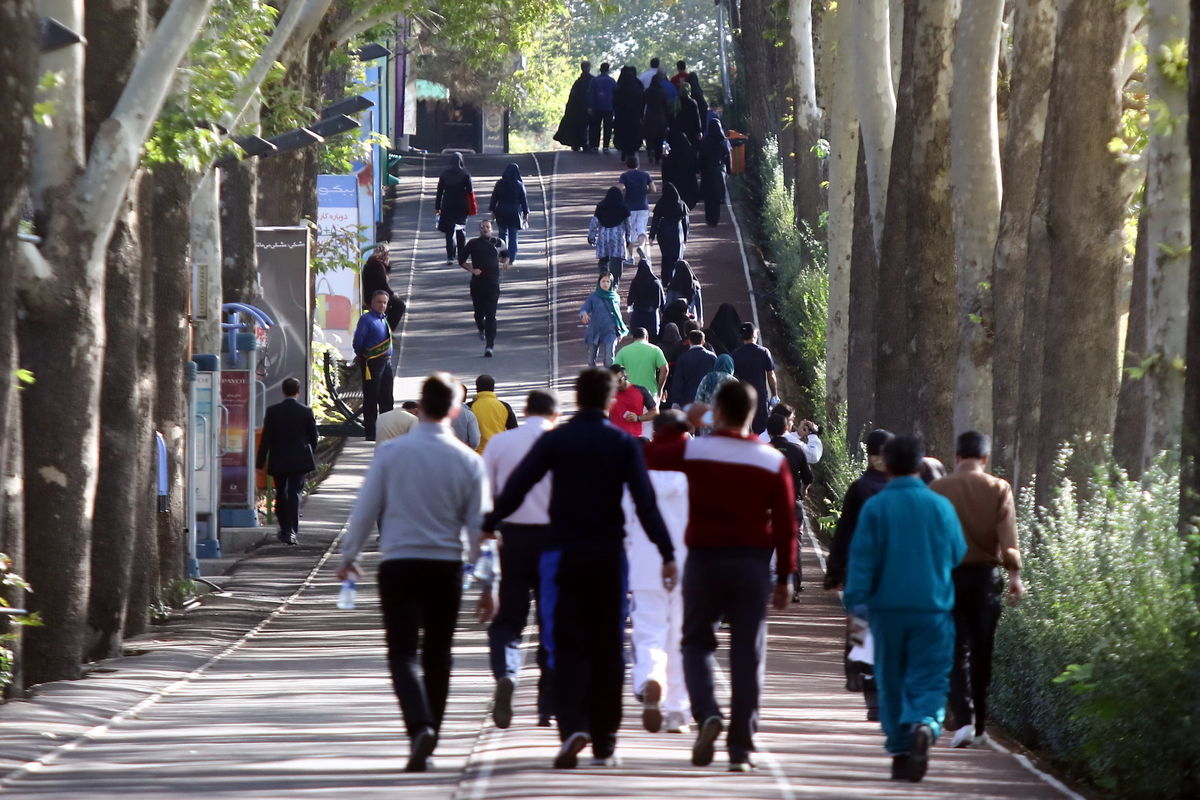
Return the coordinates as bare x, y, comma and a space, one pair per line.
472, 204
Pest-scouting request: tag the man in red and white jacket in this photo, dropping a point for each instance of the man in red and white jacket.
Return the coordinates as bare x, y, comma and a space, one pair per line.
740, 509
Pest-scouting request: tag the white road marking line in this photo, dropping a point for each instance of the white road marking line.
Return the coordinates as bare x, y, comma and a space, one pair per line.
742, 252
98, 731
766, 756
551, 267
412, 270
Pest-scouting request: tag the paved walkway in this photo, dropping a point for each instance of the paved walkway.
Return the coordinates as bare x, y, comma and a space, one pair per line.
268, 691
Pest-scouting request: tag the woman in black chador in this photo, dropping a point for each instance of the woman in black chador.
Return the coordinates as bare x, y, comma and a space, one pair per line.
573, 127
669, 224
450, 204
687, 119
627, 113
655, 119
646, 299
679, 168
714, 163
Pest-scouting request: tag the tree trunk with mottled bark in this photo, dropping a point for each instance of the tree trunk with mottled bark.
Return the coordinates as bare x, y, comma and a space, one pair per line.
1084, 218
1032, 65
1168, 168
239, 260
1189, 483
929, 252
843, 162
975, 194
876, 100
17, 71
864, 280
1129, 434
807, 114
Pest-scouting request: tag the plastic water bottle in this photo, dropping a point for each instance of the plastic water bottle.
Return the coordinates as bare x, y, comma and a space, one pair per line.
468, 575
485, 567
349, 590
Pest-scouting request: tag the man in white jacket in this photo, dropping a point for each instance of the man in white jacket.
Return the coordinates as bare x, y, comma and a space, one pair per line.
657, 614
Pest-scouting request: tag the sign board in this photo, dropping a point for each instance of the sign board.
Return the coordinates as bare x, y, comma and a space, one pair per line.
236, 438
286, 349
338, 291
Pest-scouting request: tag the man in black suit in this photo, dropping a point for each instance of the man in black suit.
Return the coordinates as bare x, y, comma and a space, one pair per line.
690, 368
289, 436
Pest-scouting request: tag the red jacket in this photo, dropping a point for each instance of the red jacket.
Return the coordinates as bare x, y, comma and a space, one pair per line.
739, 493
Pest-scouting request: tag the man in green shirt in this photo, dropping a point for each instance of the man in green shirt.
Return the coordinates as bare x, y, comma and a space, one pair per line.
644, 363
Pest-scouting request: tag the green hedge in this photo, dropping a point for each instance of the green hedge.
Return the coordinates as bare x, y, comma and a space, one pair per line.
1099, 667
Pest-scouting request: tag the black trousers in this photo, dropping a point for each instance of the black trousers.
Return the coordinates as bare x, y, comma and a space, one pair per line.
520, 556
976, 614
377, 392
456, 239
731, 584
485, 297
420, 599
670, 247
597, 121
584, 590
289, 486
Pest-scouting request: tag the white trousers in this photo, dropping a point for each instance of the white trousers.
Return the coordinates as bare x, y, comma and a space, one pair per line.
639, 220
657, 630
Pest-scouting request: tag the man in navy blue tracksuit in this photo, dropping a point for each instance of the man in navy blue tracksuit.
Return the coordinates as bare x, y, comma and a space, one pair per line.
583, 570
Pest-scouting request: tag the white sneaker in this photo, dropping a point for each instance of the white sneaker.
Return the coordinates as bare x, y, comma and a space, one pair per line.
676, 722
964, 736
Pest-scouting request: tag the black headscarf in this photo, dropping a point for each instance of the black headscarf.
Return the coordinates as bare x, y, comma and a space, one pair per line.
629, 88
676, 312
670, 207
612, 210
715, 146
512, 175
698, 95
645, 291
683, 280
454, 165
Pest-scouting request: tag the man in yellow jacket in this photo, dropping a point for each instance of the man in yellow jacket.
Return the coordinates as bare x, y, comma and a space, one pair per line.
494, 414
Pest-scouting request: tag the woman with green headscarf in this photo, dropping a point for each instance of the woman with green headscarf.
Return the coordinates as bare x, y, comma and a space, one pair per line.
601, 312
722, 373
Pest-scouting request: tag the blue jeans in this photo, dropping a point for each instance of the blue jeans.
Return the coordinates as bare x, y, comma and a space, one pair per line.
509, 235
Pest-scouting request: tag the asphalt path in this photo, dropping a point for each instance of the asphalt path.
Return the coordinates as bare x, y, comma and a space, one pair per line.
267, 690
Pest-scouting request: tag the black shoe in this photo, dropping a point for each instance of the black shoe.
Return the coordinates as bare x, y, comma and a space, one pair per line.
502, 703
487, 352
900, 767
702, 750
872, 714
422, 747
918, 756
652, 717
745, 765
543, 721
568, 754
288, 538
796, 596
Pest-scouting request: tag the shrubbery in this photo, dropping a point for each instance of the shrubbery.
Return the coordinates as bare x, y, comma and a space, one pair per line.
802, 303
1099, 667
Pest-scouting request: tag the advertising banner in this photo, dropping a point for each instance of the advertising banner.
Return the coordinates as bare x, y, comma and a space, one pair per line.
284, 350
235, 443
338, 291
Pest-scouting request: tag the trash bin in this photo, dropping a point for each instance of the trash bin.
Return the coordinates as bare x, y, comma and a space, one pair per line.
738, 157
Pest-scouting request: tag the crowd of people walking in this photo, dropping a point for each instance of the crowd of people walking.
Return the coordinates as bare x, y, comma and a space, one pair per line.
671, 503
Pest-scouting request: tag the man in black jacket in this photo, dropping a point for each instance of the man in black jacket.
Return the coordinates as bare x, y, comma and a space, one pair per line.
583, 569
486, 254
859, 676
289, 436
690, 368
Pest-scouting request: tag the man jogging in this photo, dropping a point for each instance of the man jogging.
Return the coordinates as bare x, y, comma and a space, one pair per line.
487, 255
583, 570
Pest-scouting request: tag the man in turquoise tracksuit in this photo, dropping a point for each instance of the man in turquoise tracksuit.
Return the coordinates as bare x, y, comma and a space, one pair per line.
907, 541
